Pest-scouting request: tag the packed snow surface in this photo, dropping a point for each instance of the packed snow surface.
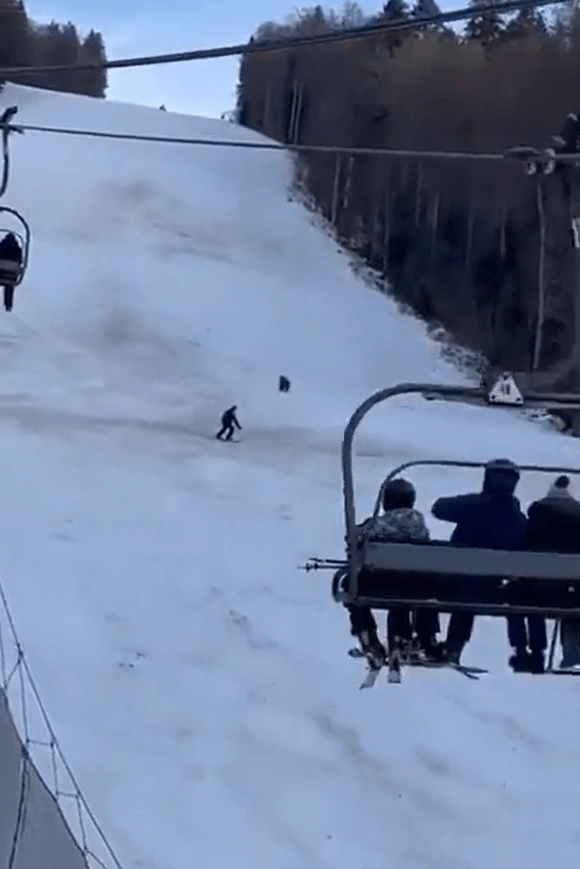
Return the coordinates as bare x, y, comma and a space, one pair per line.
198, 681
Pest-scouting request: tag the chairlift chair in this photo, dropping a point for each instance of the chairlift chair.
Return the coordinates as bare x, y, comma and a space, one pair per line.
12, 273
447, 578
438, 575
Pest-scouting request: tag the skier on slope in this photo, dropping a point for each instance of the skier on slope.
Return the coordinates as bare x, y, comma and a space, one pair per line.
554, 526
490, 519
229, 420
10, 261
400, 523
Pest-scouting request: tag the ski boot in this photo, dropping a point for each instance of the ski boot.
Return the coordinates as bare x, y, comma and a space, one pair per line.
451, 653
372, 649
434, 652
537, 662
570, 662
407, 649
400, 653
520, 661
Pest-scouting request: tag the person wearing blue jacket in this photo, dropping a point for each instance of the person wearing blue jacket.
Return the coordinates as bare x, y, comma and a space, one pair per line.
493, 519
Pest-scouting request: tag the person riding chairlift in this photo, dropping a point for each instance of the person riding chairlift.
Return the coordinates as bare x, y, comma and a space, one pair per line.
493, 519
399, 523
554, 526
10, 262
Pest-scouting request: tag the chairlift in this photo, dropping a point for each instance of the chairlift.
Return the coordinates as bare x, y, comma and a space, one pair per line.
12, 273
438, 575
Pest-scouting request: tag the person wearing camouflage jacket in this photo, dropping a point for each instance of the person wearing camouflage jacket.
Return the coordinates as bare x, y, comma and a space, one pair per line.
399, 523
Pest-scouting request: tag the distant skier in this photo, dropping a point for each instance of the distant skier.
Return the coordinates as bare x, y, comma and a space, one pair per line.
229, 420
10, 261
283, 384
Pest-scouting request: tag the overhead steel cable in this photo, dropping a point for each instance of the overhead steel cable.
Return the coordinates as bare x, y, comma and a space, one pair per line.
514, 155
255, 47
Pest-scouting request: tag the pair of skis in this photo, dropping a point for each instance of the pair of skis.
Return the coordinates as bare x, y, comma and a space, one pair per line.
396, 661
564, 671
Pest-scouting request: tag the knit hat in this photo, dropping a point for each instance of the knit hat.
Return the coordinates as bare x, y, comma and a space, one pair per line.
560, 488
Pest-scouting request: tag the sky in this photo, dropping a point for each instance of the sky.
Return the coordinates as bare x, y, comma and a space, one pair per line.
134, 27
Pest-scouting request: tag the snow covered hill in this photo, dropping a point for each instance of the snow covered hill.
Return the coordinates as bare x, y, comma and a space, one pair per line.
198, 682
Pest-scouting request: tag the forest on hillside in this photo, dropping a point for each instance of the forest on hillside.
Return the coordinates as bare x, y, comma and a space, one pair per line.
25, 43
479, 247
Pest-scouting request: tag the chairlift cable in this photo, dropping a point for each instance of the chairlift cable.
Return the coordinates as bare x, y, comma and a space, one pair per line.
255, 47
7, 128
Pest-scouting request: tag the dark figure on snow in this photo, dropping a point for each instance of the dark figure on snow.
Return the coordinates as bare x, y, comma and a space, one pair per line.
491, 519
283, 384
10, 262
554, 526
229, 420
399, 523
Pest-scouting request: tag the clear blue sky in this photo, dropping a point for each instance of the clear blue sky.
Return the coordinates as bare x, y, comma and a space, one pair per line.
133, 27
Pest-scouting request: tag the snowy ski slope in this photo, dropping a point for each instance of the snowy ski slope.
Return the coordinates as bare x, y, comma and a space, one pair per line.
198, 682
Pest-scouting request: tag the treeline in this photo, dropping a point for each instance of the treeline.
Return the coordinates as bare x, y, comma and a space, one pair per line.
24, 43
477, 246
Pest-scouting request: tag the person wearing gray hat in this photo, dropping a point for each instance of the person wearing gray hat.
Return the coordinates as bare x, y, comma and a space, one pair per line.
554, 526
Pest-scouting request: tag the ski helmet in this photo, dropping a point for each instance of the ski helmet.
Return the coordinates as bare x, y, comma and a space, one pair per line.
398, 493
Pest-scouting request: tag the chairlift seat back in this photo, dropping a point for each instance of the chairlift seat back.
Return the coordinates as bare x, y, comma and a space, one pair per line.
444, 558
10, 271
450, 578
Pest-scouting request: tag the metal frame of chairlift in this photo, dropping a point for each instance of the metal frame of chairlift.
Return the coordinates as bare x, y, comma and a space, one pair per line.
499, 583
9, 276
23, 235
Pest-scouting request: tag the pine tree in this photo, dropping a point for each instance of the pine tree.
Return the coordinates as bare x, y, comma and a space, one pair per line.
393, 10
527, 22
94, 81
241, 110
487, 25
351, 15
69, 52
425, 9
15, 40
47, 53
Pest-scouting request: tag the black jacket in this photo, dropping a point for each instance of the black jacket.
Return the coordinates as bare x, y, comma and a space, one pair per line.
10, 249
554, 524
491, 519
229, 418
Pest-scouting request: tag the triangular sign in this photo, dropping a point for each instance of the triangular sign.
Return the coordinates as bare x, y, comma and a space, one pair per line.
505, 391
